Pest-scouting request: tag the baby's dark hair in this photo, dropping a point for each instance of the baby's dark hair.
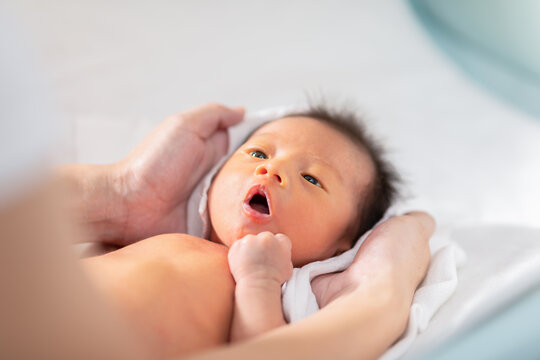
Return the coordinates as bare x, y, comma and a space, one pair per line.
382, 191
383, 188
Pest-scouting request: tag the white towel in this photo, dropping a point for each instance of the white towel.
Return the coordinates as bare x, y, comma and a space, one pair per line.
298, 299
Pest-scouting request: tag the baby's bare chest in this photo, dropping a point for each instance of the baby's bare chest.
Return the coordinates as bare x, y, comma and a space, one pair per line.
175, 286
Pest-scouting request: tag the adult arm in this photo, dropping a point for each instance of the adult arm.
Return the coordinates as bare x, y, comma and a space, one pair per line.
48, 307
146, 193
365, 308
355, 326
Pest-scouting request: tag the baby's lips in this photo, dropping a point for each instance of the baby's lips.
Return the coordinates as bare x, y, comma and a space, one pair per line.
251, 209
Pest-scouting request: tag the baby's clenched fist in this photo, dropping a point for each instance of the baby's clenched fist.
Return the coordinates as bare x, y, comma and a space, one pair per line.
261, 257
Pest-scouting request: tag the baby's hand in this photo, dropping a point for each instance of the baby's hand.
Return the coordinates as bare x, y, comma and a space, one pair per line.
261, 257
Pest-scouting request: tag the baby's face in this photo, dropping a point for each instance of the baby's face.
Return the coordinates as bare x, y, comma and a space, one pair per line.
296, 176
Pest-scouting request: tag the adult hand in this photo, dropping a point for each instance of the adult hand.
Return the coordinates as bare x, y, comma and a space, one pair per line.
158, 176
396, 255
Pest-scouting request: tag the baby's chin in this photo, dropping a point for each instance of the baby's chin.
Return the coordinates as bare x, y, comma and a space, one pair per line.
228, 241
235, 234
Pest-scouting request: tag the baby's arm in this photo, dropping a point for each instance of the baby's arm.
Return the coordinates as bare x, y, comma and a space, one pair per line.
260, 264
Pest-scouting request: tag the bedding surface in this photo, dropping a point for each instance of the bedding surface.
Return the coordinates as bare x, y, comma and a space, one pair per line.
116, 71
503, 264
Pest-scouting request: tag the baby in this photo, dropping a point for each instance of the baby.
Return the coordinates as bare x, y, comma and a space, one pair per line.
301, 188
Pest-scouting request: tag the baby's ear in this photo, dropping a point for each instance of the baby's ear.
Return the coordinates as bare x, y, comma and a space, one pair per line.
343, 245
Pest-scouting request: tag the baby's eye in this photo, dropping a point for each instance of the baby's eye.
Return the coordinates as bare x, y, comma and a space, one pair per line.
258, 154
312, 180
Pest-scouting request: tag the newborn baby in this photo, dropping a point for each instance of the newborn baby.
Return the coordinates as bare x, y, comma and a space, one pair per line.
301, 188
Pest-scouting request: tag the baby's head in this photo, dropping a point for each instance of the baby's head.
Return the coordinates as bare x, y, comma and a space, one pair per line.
314, 176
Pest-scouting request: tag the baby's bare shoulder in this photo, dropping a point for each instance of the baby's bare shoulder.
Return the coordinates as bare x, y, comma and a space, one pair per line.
194, 243
177, 244
176, 285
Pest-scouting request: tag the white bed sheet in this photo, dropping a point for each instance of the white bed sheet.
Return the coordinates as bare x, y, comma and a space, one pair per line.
503, 262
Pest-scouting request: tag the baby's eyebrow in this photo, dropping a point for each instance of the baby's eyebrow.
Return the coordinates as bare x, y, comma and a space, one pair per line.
326, 164
263, 134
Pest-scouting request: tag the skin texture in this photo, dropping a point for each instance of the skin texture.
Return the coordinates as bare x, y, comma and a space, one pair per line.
315, 218
174, 290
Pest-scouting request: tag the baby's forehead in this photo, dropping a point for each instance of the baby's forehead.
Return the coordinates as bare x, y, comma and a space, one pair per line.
287, 123
320, 139
306, 129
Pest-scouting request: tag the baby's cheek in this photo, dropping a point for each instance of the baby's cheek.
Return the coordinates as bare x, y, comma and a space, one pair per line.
224, 209
215, 208
297, 226
306, 248
315, 239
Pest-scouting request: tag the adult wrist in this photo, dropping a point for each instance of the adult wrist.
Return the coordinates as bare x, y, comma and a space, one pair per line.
116, 217
97, 199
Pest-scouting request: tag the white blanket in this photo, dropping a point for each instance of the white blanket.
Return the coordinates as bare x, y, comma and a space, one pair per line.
298, 299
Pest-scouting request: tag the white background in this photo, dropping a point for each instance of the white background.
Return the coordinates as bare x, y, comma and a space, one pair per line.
116, 69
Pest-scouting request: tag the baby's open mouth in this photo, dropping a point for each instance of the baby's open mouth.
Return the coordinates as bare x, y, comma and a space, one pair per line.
257, 203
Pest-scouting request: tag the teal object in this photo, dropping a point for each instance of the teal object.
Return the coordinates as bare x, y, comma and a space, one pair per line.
496, 42
512, 333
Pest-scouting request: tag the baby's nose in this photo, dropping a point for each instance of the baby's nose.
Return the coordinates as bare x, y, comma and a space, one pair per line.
262, 170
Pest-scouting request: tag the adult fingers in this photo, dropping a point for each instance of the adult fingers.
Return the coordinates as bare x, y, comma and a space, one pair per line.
217, 145
425, 221
206, 119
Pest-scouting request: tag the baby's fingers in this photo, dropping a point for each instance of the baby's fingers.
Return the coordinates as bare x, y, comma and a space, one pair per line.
284, 239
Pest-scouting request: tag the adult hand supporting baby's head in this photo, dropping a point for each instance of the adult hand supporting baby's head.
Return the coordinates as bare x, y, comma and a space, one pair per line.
389, 265
158, 176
